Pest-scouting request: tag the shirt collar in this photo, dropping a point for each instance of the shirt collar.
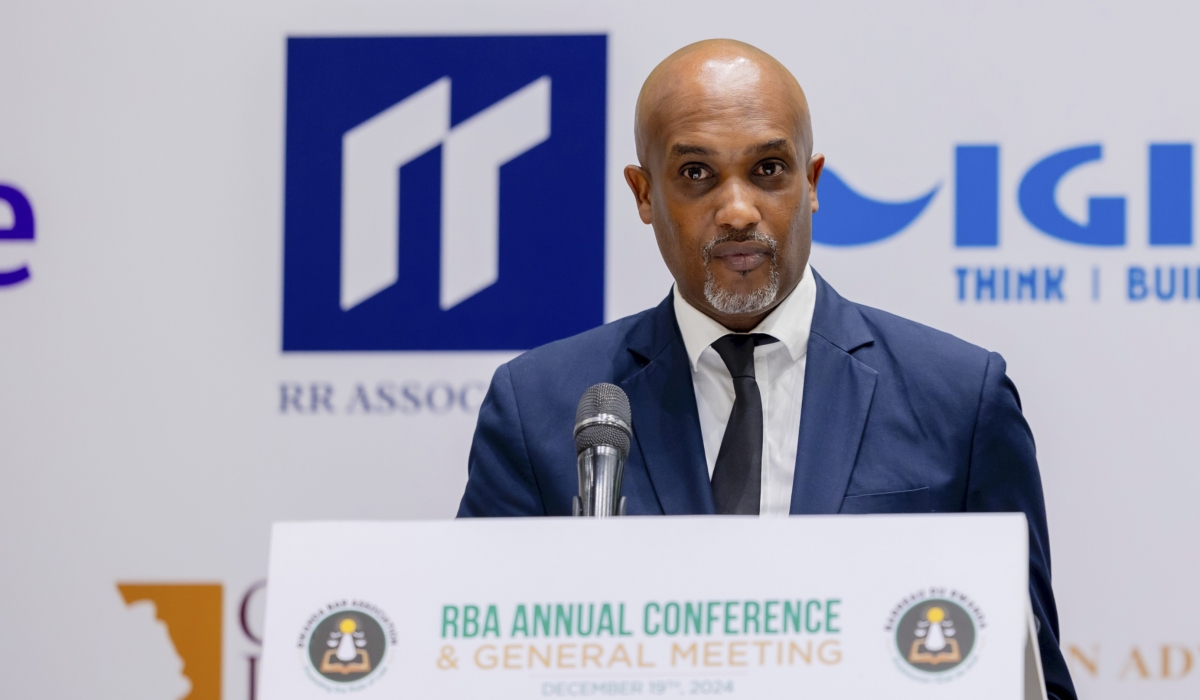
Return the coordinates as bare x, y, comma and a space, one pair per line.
789, 322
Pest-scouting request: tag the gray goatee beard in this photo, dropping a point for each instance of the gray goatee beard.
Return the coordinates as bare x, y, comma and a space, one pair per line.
734, 303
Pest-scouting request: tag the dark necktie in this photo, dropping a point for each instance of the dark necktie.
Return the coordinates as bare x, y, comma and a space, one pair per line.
737, 477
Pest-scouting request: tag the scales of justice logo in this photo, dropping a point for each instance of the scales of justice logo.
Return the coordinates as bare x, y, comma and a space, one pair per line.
346, 649
937, 638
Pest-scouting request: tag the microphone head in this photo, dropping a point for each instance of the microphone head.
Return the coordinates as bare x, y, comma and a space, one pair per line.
603, 400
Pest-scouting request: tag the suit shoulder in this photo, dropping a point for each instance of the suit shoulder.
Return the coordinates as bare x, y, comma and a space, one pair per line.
601, 346
916, 346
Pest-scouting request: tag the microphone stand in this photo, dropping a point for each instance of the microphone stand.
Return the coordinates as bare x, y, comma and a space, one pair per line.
600, 472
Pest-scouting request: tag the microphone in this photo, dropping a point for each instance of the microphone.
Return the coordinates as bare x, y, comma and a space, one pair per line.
602, 433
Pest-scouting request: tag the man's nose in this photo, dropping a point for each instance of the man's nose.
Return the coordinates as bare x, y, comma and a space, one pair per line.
736, 206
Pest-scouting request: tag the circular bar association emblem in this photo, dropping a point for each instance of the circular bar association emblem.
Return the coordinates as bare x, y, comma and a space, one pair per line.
936, 638
346, 649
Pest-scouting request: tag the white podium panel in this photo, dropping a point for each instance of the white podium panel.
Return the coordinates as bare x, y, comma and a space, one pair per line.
821, 607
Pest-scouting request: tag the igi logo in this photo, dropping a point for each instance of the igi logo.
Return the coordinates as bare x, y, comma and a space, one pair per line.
848, 218
443, 193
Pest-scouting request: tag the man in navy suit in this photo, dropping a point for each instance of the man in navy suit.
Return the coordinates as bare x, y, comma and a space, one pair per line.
755, 388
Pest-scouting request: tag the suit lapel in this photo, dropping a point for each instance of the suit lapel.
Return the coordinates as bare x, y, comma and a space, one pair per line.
666, 424
837, 398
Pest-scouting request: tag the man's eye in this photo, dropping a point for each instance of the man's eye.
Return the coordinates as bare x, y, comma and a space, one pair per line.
769, 169
696, 172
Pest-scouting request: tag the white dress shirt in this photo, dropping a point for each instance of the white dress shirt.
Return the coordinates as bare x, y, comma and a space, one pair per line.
779, 370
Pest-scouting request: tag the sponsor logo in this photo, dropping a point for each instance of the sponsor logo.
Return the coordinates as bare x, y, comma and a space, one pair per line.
193, 614
935, 634
16, 224
346, 646
443, 193
848, 218
1102, 223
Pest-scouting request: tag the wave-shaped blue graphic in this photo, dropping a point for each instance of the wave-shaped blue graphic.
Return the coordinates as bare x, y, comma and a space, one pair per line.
847, 218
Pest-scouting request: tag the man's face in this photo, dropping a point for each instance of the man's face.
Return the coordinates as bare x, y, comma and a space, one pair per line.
730, 192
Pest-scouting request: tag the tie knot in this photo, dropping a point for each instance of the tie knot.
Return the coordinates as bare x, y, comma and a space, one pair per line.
737, 351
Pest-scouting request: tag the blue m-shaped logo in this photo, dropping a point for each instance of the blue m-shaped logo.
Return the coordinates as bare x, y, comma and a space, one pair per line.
443, 193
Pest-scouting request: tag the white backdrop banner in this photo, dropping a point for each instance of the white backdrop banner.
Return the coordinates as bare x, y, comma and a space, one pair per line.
259, 259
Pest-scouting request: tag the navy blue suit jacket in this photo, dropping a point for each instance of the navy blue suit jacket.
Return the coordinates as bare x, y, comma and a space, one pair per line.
896, 418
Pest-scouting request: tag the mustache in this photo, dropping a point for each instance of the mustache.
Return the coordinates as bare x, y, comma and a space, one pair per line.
741, 235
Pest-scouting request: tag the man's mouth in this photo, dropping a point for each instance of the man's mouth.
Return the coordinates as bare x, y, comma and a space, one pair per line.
741, 256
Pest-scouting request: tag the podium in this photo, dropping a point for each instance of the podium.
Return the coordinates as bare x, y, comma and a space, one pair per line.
922, 606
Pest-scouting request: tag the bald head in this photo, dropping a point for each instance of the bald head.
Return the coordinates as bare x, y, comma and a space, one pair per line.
727, 177
716, 77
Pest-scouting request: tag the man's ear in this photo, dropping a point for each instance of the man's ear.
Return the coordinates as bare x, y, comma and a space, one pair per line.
639, 182
816, 165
